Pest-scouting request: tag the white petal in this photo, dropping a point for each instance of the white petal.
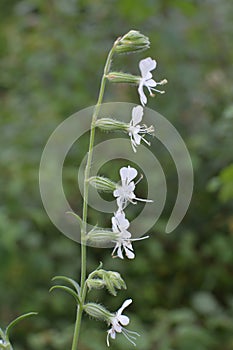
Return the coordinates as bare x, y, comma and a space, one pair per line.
147, 77
116, 193
142, 95
129, 254
114, 224
130, 190
112, 334
125, 235
118, 328
119, 216
120, 203
124, 225
119, 222
146, 65
119, 253
150, 83
136, 129
137, 114
124, 320
137, 139
129, 251
126, 303
119, 192
127, 174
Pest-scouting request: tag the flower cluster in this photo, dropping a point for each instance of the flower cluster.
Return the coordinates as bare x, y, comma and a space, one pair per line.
124, 191
124, 194
119, 235
135, 131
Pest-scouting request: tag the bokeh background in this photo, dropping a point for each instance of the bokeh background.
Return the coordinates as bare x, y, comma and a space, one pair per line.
51, 59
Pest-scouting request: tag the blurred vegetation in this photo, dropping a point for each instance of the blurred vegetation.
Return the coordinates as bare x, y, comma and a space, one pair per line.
51, 59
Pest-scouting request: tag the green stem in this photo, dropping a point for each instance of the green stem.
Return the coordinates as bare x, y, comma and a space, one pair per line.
83, 290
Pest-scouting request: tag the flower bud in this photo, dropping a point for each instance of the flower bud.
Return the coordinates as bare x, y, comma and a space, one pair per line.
98, 311
95, 283
98, 236
114, 281
110, 279
108, 124
4, 344
119, 77
102, 183
131, 42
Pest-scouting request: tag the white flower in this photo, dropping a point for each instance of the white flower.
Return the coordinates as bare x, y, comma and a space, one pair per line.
118, 321
146, 66
120, 225
135, 129
125, 192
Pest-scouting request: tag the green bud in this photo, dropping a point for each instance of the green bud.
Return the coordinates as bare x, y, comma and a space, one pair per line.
131, 42
4, 341
119, 77
95, 283
102, 183
98, 311
5, 345
110, 279
98, 236
108, 124
113, 282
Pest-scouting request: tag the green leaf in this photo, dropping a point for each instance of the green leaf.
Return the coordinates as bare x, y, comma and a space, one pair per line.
68, 290
76, 216
17, 320
69, 280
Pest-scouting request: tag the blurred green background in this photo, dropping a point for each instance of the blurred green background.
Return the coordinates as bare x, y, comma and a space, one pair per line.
51, 59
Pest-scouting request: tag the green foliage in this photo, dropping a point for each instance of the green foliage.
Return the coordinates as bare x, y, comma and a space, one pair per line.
51, 59
74, 291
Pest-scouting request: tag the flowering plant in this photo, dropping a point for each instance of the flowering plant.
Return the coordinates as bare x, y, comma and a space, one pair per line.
119, 235
124, 192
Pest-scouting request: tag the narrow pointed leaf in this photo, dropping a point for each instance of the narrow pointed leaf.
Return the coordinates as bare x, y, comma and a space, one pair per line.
69, 280
17, 320
68, 290
76, 216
